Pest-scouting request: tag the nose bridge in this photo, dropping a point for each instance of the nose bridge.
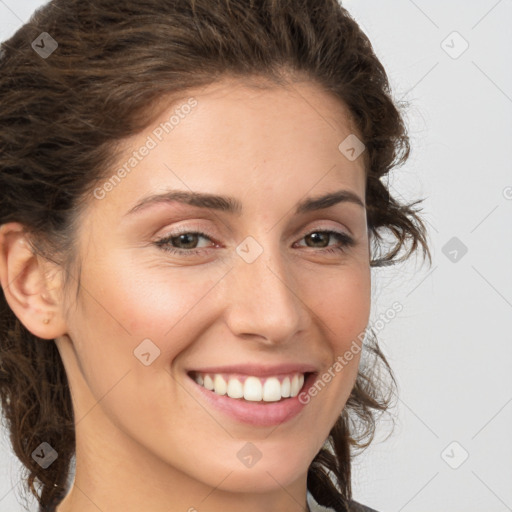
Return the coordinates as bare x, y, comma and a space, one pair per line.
263, 298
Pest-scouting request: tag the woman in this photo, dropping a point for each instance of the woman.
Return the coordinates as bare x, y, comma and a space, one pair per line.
168, 319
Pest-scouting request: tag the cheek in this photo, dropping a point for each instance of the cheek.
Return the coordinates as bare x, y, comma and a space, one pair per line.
156, 303
343, 308
343, 301
120, 307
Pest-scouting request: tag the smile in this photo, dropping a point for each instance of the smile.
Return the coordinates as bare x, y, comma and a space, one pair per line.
252, 388
257, 401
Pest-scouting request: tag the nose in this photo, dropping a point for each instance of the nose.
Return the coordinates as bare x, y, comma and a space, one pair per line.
263, 299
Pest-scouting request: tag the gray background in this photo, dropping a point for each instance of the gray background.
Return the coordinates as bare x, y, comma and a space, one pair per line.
451, 345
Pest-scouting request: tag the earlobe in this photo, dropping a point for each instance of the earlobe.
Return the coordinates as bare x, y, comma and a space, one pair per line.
29, 287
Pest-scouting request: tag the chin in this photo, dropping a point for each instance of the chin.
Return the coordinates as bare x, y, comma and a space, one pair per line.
263, 480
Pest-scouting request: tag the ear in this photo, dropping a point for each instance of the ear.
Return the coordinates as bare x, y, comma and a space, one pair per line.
31, 284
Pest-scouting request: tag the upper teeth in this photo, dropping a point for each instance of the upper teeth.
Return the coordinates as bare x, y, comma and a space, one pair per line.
251, 388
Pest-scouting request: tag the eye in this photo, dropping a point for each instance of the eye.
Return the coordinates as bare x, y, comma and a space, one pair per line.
190, 239
346, 241
182, 237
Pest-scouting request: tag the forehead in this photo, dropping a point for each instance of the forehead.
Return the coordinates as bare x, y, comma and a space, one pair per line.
237, 137
295, 110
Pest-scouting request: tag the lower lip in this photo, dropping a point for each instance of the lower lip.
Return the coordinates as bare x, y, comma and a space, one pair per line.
260, 414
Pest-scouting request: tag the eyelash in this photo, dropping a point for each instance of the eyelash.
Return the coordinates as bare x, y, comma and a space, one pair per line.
346, 242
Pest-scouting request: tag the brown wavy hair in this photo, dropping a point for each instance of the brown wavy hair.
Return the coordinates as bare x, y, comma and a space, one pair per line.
62, 117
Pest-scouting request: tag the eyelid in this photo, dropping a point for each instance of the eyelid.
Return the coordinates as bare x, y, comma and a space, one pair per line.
172, 232
335, 226
197, 228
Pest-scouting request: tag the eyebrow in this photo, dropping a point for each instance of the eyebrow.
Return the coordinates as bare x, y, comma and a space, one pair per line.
233, 206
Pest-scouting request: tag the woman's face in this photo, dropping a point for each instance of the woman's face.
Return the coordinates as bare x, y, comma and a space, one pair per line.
262, 292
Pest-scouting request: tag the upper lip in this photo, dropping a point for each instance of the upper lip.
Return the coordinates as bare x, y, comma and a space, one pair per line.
258, 370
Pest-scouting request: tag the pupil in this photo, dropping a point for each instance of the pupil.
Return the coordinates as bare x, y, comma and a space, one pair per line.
184, 237
316, 235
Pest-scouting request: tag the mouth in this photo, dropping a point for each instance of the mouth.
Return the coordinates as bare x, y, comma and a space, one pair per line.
250, 388
252, 400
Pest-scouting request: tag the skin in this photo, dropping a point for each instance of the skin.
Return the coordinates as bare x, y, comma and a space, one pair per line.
143, 443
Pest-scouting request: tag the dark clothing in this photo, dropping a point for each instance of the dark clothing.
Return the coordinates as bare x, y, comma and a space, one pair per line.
358, 507
354, 506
